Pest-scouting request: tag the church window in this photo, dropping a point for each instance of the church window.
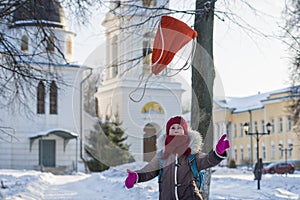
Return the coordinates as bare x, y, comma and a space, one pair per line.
147, 53
97, 111
115, 54
50, 44
24, 43
149, 3
153, 108
53, 98
41, 98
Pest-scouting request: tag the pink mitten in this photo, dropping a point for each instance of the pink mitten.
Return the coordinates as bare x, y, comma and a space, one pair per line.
222, 145
131, 179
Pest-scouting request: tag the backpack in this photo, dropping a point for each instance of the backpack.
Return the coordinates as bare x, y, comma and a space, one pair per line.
198, 175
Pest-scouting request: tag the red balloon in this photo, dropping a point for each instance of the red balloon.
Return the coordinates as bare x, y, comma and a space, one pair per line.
171, 36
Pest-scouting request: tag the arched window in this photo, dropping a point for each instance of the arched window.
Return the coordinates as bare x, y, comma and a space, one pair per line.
41, 98
149, 3
149, 142
115, 56
24, 43
152, 108
97, 111
50, 44
147, 52
53, 98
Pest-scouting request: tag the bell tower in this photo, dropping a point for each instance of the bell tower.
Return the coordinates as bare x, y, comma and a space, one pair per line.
54, 43
141, 100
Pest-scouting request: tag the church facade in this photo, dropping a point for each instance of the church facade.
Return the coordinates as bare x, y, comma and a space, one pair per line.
47, 136
143, 102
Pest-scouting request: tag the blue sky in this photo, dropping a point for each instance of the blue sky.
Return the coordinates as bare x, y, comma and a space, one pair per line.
245, 63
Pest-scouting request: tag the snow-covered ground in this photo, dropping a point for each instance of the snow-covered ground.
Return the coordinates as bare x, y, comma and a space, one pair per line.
226, 184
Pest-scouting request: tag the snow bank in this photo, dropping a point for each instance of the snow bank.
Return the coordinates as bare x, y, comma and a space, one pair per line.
226, 184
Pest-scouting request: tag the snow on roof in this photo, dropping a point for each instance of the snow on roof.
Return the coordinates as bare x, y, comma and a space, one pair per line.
58, 65
26, 22
65, 134
47, 132
254, 102
244, 104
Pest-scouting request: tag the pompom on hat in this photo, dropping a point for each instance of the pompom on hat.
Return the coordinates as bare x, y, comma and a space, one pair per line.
177, 120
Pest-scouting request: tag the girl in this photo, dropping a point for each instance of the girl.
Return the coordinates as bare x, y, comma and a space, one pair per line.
176, 177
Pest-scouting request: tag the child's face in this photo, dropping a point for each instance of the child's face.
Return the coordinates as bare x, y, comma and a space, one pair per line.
176, 129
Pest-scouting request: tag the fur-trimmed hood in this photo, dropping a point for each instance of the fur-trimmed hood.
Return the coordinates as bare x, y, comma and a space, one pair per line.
195, 141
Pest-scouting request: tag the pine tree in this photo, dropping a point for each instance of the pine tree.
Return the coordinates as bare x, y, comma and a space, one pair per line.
106, 146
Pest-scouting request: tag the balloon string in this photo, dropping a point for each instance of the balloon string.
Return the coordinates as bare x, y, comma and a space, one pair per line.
147, 79
187, 63
144, 90
189, 59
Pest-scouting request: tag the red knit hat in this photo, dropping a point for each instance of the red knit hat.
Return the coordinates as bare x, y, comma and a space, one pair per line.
177, 120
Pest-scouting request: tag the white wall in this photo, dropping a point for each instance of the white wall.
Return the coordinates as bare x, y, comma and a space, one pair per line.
17, 154
114, 98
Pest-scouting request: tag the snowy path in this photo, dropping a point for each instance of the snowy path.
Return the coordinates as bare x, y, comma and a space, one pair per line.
83, 186
58, 188
97, 186
227, 184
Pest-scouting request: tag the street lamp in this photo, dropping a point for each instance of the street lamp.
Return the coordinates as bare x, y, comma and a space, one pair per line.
290, 148
246, 129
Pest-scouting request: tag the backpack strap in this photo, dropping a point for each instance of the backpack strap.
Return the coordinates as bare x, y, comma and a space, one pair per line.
160, 163
198, 175
193, 165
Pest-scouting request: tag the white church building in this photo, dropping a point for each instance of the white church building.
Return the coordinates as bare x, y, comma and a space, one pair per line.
50, 137
142, 101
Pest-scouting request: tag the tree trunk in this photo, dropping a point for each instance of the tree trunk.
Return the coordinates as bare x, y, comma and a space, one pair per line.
203, 75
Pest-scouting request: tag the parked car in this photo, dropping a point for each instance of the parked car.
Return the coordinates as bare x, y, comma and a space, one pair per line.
280, 168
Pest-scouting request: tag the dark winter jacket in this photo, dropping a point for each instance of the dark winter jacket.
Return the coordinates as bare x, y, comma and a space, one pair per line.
177, 180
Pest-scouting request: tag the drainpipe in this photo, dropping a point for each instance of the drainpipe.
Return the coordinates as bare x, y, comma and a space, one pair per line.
251, 142
81, 119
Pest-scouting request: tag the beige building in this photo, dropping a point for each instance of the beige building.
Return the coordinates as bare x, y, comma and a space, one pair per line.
230, 114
